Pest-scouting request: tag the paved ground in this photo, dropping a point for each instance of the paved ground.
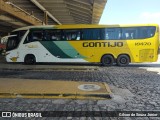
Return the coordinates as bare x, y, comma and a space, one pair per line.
134, 89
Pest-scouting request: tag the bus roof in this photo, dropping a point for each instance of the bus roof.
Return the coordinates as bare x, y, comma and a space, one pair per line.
82, 26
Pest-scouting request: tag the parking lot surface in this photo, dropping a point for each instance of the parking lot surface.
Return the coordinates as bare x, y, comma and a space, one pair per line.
135, 88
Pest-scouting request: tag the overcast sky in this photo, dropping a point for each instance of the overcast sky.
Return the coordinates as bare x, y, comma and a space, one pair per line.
131, 12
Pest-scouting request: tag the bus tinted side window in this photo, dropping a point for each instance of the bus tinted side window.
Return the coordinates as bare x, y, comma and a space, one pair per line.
72, 34
34, 35
130, 33
151, 31
52, 35
91, 34
146, 32
113, 33
138, 32
37, 35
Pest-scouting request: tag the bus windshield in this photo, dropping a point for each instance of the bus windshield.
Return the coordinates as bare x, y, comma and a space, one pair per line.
14, 40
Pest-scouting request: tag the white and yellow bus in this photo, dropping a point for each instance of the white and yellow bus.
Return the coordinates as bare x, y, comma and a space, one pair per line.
105, 44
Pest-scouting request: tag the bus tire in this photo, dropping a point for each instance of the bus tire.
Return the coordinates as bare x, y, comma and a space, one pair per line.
123, 60
30, 59
107, 60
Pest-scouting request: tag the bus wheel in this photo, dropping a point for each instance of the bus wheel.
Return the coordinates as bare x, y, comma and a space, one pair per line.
123, 60
30, 59
107, 60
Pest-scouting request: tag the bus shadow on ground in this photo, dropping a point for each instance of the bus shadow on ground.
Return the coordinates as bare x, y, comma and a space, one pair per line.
155, 65
87, 64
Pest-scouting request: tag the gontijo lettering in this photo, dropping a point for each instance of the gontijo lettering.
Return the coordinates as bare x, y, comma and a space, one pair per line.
102, 44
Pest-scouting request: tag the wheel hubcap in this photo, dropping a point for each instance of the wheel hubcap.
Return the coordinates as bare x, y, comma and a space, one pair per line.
123, 60
107, 61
